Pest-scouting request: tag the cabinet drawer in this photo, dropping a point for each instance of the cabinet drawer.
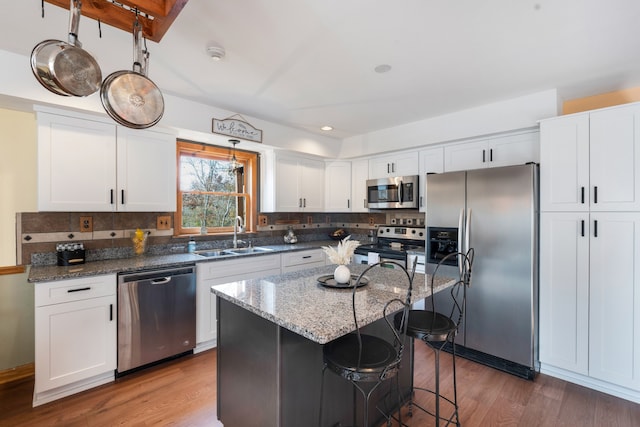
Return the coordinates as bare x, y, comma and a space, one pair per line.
239, 266
68, 290
302, 257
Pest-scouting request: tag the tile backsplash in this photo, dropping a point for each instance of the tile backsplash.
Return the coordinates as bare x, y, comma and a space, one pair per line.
38, 232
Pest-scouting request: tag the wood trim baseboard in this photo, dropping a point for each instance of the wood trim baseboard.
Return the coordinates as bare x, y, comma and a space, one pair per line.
17, 269
17, 373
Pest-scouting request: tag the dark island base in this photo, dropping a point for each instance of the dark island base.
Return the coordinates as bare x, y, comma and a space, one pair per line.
270, 376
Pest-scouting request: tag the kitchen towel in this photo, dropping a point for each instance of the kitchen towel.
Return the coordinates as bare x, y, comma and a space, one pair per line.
373, 257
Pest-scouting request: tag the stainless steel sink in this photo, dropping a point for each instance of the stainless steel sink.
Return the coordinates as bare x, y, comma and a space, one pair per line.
211, 253
254, 250
214, 253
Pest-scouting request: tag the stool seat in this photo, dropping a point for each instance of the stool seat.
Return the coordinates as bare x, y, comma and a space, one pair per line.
429, 326
377, 359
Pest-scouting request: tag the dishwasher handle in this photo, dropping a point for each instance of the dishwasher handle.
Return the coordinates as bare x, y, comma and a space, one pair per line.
161, 281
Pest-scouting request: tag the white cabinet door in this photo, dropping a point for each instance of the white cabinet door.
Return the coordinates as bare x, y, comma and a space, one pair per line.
76, 164
287, 199
224, 271
564, 164
516, 149
337, 187
311, 185
431, 161
564, 291
359, 176
74, 341
396, 164
299, 184
614, 301
146, 171
470, 155
615, 159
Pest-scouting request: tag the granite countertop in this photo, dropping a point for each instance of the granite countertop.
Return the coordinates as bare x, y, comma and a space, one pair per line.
47, 273
296, 301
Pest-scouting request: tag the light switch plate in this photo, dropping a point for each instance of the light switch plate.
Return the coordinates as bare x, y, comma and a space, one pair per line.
163, 222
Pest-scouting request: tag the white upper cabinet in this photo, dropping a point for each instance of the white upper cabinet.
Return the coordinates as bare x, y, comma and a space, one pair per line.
431, 161
394, 164
589, 161
76, 164
146, 170
299, 184
90, 165
614, 159
564, 164
338, 186
493, 152
359, 176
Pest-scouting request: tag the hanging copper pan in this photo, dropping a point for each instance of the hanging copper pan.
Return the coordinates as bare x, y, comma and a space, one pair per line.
65, 68
129, 97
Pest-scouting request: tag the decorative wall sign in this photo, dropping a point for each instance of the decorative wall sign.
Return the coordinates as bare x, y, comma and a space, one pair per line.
237, 128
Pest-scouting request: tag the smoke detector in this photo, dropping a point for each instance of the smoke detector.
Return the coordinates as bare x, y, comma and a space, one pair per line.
216, 52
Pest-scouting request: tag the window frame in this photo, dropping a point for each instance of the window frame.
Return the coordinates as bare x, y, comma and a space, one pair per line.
251, 161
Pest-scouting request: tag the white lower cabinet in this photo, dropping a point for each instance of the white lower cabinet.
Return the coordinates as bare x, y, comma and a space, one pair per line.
75, 336
219, 272
301, 260
590, 299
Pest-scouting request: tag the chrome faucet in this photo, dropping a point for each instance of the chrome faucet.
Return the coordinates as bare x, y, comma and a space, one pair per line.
237, 226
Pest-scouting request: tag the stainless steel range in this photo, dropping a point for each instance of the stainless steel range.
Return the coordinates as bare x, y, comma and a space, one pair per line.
395, 243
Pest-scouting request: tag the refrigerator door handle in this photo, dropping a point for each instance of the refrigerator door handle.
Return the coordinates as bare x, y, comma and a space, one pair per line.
460, 235
467, 233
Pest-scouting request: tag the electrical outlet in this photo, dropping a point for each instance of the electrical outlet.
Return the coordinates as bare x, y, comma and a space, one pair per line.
309, 219
163, 222
371, 221
262, 220
86, 224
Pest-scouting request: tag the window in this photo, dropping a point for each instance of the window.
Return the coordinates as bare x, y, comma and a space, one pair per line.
215, 185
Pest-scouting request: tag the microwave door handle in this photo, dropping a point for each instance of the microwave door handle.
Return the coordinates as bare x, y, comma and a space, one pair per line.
400, 192
460, 236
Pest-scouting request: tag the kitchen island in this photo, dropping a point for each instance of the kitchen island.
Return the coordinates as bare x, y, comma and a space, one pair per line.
270, 337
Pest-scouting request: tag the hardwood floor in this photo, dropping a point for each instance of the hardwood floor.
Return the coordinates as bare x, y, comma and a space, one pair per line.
183, 393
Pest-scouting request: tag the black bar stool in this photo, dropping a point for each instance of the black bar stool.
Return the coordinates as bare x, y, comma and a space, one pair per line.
437, 330
366, 361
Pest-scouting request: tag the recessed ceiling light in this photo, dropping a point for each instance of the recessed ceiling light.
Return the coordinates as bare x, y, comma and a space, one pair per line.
326, 128
382, 68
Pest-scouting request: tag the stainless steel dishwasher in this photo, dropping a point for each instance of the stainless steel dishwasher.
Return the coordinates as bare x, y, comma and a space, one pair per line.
156, 316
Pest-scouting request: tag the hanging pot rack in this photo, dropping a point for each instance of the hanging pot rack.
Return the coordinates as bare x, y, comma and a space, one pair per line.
155, 16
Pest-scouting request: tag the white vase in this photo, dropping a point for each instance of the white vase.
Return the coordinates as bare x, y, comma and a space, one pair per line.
342, 274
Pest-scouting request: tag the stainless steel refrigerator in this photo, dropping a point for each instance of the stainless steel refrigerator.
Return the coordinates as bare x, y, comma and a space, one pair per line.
495, 211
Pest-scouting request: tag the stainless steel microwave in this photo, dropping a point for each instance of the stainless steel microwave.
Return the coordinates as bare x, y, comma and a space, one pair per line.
400, 192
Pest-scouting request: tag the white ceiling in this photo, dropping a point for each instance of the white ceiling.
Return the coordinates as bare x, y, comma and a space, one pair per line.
307, 63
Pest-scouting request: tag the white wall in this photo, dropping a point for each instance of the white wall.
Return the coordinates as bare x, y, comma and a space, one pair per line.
192, 120
518, 113
18, 176
17, 194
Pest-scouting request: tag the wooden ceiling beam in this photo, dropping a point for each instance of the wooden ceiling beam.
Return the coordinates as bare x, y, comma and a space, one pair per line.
164, 12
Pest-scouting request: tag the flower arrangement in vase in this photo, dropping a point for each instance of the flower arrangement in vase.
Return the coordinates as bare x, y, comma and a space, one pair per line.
342, 256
